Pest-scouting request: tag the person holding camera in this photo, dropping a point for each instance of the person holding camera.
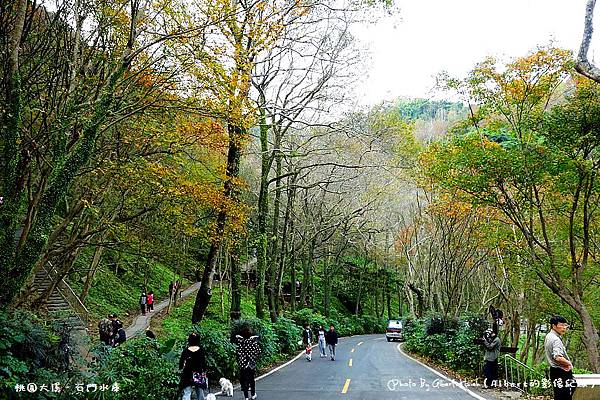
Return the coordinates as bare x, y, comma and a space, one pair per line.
561, 368
491, 343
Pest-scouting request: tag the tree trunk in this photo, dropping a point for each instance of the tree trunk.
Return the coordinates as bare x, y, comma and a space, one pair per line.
327, 295
92, 272
590, 335
230, 191
274, 242
288, 225
10, 136
359, 293
220, 274
235, 311
293, 278
388, 298
262, 242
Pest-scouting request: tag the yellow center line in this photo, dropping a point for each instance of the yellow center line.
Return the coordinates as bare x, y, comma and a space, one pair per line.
350, 363
346, 385
359, 343
352, 351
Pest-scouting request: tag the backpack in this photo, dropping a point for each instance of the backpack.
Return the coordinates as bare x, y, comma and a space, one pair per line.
105, 327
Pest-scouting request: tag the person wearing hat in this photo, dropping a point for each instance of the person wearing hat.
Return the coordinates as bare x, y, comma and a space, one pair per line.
491, 342
561, 368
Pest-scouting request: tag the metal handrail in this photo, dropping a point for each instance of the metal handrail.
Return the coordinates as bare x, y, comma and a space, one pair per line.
524, 373
71, 294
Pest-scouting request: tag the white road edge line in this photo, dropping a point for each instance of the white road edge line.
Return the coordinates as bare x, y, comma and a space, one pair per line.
283, 365
457, 384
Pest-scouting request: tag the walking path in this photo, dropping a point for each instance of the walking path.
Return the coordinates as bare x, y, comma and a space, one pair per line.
141, 322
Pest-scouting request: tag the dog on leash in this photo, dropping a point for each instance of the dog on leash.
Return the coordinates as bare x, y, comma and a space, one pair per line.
226, 387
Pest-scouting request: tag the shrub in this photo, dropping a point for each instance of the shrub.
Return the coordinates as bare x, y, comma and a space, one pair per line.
288, 334
219, 350
309, 316
34, 350
141, 368
414, 335
449, 342
372, 324
464, 355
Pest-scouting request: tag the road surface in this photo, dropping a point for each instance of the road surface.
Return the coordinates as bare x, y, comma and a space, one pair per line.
366, 368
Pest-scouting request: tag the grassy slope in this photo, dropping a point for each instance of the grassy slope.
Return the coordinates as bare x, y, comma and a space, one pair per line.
120, 294
178, 323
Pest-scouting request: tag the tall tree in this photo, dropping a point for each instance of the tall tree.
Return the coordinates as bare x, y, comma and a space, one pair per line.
538, 166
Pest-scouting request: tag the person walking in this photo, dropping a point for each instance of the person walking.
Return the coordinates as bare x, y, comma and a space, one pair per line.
491, 342
561, 368
192, 364
307, 339
150, 301
247, 353
143, 302
321, 339
331, 338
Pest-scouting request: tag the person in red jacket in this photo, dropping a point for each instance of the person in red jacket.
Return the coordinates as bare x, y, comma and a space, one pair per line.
150, 301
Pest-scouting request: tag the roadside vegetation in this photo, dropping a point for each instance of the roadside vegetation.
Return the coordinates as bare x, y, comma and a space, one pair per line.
154, 141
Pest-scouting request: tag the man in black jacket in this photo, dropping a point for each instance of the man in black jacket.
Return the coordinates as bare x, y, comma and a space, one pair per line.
331, 338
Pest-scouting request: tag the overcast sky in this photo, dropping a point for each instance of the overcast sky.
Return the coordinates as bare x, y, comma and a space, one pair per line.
427, 36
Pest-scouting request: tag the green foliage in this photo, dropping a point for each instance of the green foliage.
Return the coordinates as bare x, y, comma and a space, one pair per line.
178, 323
33, 350
309, 316
219, 351
287, 335
449, 342
141, 368
112, 293
412, 109
345, 325
464, 355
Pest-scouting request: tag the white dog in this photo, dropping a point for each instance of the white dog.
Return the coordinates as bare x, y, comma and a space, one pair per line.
226, 387
210, 396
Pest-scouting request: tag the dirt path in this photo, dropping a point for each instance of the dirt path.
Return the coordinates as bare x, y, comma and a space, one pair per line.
141, 322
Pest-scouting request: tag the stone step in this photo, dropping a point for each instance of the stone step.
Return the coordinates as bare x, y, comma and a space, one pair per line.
57, 302
57, 308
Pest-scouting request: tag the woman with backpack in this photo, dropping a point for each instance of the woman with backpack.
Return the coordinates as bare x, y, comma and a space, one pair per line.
193, 369
247, 353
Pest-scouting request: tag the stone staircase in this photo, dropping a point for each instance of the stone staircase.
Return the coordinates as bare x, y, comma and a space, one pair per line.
62, 302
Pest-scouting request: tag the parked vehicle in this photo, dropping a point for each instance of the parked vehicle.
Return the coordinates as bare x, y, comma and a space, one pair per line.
393, 331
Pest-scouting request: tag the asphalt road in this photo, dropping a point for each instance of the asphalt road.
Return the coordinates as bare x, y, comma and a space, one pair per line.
366, 368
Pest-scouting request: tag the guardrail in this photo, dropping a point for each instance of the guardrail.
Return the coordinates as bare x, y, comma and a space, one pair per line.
521, 377
67, 292
588, 387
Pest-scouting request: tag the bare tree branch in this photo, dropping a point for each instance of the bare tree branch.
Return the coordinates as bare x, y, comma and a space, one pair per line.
584, 66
